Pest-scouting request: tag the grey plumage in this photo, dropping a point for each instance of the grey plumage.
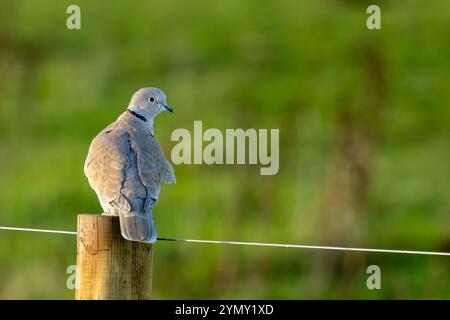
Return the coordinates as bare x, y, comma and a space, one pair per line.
126, 166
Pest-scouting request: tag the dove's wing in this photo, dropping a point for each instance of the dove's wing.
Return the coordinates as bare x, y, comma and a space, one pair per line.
167, 172
105, 166
153, 167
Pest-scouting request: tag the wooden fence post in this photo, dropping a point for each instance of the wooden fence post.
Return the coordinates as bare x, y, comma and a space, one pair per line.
108, 266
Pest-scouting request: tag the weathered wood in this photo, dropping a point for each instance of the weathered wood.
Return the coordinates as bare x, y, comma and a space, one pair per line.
110, 267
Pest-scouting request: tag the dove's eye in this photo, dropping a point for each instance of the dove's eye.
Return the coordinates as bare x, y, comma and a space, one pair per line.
151, 99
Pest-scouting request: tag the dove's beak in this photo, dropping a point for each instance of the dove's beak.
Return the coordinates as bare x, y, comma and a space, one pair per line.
168, 108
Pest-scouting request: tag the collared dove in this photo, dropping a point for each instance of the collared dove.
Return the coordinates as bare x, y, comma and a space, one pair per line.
125, 166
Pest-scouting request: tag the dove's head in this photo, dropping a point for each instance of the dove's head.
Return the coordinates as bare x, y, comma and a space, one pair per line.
148, 102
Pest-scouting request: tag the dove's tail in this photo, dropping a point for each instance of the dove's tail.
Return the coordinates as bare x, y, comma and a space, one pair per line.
138, 227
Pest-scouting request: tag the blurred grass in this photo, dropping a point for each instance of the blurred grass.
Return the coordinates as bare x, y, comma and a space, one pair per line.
364, 131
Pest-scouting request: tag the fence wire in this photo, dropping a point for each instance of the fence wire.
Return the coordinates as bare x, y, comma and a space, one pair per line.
259, 244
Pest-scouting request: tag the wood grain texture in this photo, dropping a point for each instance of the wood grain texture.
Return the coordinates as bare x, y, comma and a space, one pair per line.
110, 267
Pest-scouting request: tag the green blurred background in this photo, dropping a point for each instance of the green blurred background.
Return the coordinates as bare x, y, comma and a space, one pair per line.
364, 140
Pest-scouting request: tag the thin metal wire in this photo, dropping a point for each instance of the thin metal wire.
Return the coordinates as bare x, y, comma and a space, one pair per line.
37, 230
301, 246
260, 244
